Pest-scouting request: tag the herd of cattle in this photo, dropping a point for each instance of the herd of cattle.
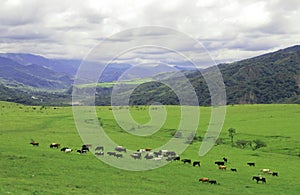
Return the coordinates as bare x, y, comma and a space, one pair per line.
148, 154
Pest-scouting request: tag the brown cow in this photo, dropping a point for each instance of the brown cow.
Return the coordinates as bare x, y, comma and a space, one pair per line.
204, 179
34, 143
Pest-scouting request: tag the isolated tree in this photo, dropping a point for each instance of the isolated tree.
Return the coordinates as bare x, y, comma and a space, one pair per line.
231, 132
255, 144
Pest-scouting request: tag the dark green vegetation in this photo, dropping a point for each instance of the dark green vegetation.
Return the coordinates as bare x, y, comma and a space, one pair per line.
269, 78
40, 170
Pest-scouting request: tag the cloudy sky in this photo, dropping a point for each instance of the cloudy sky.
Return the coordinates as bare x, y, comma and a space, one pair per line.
228, 29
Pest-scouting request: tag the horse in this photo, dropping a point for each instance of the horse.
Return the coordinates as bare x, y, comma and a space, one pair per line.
54, 145
34, 143
257, 178
204, 179
195, 163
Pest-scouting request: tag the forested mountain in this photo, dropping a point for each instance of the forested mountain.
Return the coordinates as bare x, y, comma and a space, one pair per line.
269, 78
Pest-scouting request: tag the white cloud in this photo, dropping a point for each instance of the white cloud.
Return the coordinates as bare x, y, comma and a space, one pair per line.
230, 29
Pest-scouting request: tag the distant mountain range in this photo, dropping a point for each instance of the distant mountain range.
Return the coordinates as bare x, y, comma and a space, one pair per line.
269, 78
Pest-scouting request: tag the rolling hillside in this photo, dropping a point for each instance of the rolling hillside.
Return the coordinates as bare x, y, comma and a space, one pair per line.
269, 78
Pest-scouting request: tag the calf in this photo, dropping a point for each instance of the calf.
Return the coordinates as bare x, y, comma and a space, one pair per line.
225, 159
196, 163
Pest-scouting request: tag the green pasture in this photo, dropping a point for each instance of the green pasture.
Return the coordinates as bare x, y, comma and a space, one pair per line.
40, 170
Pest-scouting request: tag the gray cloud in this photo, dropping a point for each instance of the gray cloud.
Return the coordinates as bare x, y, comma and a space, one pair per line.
229, 29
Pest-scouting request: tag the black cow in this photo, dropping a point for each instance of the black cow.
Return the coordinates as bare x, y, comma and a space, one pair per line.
225, 159
195, 163
85, 147
111, 153
120, 149
257, 178
275, 174
177, 158
219, 163
212, 181
186, 161
233, 169
251, 164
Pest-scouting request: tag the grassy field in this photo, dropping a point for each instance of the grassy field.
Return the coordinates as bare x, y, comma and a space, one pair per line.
40, 170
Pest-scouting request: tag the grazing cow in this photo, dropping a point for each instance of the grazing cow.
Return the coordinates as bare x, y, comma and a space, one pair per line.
171, 153
177, 158
195, 163
54, 145
34, 143
81, 151
149, 156
156, 154
119, 155
251, 164
204, 179
225, 159
275, 174
85, 147
258, 178
99, 153
233, 169
136, 155
222, 167
68, 150
148, 149
186, 161
120, 149
63, 149
265, 170
99, 148
219, 163
111, 153
141, 150
212, 181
